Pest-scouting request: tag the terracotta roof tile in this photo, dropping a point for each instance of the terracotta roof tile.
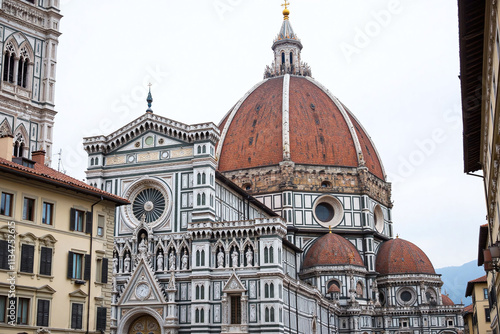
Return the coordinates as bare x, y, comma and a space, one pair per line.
398, 256
319, 133
447, 301
332, 250
47, 174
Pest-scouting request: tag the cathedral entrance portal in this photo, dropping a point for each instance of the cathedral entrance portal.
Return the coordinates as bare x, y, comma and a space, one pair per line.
145, 325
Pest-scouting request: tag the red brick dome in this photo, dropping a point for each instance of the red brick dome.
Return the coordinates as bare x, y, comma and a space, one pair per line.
398, 256
332, 250
447, 301
293, 118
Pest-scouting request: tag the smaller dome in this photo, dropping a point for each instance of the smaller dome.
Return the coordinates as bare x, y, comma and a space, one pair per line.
332, 250
447, 301
333, 288
398, 256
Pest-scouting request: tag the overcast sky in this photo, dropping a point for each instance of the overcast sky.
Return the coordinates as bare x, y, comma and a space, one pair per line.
395, 64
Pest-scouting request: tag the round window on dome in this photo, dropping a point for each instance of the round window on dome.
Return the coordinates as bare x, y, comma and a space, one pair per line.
328, 211
324, 212
406, 296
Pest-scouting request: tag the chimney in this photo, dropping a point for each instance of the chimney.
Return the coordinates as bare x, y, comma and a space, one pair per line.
6, 147
38, 157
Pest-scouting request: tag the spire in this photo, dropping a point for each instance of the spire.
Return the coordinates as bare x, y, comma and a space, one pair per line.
287, 47
149, 100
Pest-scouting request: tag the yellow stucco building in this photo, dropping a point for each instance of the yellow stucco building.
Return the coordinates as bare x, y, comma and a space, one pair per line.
479, 32
56, 236
477, 317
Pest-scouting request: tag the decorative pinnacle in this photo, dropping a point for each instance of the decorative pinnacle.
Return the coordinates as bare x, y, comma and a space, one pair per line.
330, 228
149, 100
286, 11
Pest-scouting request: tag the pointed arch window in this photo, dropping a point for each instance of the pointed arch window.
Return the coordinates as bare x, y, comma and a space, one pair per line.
203, 199
22, 69
203, 178
291, 57
282, 58
202, 262
198, 177
8, 61
271, 254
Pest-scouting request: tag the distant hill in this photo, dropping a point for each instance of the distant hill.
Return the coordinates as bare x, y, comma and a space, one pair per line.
455, 280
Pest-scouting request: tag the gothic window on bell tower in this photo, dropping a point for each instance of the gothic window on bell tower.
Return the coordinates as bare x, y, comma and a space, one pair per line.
9, 60
23, 68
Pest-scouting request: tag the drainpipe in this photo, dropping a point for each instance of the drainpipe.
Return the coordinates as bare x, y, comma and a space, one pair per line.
90, 270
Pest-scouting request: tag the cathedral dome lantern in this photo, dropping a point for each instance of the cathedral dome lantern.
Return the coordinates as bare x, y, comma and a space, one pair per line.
287, 47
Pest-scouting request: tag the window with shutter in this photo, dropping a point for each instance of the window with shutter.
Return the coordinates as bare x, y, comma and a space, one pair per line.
27, 256
4, 250
46, 261
42, 314
23, 311
100, 226
75, 265
101, 319
76, 316
76, 220
47, 213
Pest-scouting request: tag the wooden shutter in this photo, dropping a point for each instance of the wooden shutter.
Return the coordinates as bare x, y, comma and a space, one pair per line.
101, 319
4, 249
88, 223
76, 316
104, 271
70, 265
46, 261
86, 272
72, 213
42, 317
27, 256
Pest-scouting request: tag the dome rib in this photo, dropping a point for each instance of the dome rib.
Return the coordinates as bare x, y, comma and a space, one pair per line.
332, 250
398, 256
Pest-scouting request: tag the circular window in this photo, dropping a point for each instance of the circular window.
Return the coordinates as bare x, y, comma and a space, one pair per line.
328, 211
149, 205
378, 216
406, 296
149, 140
324, 212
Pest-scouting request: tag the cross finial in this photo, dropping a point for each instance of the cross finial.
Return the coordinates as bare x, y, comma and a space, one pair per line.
286, 12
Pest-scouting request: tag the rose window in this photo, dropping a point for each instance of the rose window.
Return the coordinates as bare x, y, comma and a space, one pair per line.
150, 204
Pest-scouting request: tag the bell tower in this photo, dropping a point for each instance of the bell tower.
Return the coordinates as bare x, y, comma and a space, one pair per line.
29, 32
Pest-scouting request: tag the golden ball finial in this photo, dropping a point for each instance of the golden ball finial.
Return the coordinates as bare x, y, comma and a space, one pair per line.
286, 11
